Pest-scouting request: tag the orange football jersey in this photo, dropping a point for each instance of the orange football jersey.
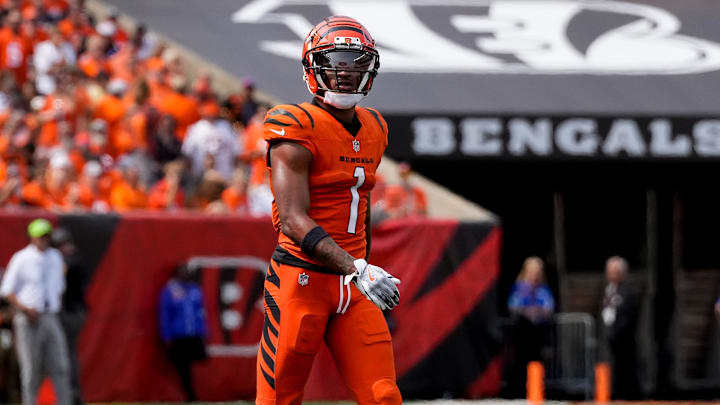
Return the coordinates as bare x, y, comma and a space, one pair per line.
342, 171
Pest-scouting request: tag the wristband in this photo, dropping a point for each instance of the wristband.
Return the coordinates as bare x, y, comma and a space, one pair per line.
311, 239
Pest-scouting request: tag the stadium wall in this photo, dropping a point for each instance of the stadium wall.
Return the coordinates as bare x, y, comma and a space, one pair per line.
444, 333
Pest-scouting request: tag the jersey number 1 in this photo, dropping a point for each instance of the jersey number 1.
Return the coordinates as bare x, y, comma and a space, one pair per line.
360, 175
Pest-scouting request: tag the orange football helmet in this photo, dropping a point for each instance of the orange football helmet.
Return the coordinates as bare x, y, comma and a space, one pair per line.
339, 44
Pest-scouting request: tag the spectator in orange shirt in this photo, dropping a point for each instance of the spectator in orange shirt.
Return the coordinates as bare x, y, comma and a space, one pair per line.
404, 199
50, 184
34, 192
94, 188
141, 118
15, 48
111, 109
58, 181
93, 61
59, 108
43, 10
128, 192
256, 147
155, 62
235, 196
181, 106
121, 63
166, 194
202, 89
76, 26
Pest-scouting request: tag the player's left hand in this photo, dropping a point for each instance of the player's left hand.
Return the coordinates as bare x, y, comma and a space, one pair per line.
375, 284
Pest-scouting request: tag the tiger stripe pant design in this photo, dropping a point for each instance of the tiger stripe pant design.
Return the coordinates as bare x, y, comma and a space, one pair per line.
303, 309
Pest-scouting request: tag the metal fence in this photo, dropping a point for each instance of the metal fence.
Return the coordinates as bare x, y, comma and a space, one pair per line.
566, 345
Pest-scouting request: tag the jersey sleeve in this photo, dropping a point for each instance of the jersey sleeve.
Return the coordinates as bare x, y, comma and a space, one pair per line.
286, 122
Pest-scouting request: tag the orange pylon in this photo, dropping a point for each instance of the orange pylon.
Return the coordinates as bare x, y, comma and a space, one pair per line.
535, 382
603, 383
46, 394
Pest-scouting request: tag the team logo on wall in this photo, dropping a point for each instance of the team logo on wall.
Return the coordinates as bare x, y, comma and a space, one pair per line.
504, 36
233, 292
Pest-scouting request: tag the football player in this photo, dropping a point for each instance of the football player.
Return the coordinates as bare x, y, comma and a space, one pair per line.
323, 156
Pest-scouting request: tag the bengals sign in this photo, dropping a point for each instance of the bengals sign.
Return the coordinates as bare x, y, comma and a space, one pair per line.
527, 137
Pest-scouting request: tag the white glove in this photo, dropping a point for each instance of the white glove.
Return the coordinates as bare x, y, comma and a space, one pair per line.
375, 284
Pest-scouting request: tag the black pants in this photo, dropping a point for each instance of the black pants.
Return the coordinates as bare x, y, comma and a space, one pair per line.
625, 381
526, 342
72, 323
183, 352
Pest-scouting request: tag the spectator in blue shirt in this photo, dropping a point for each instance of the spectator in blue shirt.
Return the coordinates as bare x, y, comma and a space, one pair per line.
183, 325
530, 296
531, 305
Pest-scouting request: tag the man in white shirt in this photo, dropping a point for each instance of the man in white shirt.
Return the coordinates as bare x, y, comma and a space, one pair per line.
215, 136
49, 57
33, 284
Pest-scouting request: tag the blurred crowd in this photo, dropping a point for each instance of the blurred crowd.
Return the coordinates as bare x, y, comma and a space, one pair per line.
95, 118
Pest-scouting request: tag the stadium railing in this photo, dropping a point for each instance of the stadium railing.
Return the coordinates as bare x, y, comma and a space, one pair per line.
568, 353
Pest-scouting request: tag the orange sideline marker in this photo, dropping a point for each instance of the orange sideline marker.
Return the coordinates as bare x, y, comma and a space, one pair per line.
602, 383
46, 394
535, 382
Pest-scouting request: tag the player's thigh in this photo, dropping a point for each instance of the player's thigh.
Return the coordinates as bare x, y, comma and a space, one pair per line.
303, 309
361, 346
302, 312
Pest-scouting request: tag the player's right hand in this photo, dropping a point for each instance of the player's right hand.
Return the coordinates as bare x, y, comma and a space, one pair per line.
375, 284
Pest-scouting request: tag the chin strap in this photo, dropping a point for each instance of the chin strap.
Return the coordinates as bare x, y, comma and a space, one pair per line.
342, 101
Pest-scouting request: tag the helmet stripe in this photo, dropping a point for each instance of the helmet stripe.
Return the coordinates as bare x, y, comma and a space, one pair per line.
343, 28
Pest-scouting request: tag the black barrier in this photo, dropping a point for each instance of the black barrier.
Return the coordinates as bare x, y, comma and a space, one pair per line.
565, 345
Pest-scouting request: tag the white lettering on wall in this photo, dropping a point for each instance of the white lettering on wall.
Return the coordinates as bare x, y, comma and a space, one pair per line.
481, 136
624, 136
577, 137
707, 138
433, 136
662, 142
526, 137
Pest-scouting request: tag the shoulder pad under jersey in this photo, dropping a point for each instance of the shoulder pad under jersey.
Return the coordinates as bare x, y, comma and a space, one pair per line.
290, 122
